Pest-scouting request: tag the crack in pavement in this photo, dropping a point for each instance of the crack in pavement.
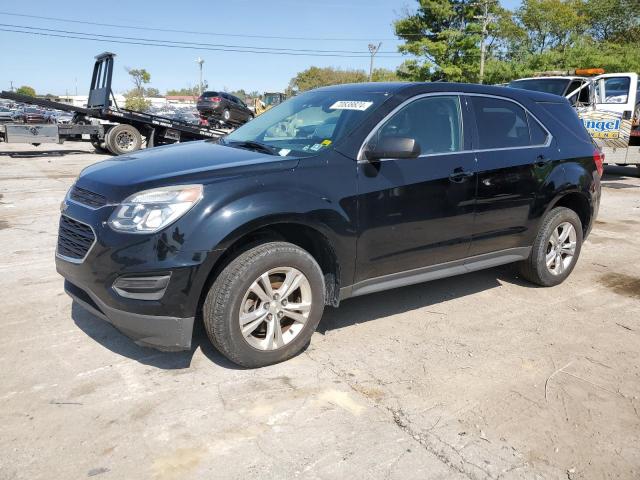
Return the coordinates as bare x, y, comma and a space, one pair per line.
401, 422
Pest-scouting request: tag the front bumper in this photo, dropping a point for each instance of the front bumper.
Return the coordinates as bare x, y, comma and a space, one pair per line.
164, 321
161, 332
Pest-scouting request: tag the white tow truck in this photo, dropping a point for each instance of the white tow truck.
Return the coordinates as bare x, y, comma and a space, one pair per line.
607, 103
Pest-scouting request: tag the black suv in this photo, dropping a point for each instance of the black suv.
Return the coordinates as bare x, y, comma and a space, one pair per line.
337, 192
225, 107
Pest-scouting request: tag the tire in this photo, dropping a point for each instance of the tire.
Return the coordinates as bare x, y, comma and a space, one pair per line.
232, 293
535, 268
123, 139
226, 115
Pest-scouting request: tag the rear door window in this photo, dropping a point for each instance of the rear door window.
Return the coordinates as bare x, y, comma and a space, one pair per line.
501, 123
434, 122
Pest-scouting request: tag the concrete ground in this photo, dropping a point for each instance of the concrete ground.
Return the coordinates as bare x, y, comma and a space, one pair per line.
478, 376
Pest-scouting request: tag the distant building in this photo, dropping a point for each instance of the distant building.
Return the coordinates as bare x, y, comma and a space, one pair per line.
189, 99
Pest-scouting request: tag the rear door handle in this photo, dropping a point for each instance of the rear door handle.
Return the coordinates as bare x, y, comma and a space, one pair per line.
459, 175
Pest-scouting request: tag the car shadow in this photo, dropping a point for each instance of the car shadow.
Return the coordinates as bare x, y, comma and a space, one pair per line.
42, 153
423, 295
351, 312
620, 172
109, 337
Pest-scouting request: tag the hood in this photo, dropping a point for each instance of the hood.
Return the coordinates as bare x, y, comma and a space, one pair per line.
190, 162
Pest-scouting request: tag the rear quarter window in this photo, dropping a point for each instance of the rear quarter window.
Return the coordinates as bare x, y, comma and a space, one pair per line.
566, 116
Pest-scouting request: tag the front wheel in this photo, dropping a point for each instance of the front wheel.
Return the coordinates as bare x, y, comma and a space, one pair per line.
555, 250
265, 304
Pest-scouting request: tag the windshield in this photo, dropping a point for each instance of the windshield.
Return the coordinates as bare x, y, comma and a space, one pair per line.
308, 123
556, 86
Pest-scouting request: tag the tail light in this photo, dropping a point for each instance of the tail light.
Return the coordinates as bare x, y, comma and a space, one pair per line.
598, 158
215, 99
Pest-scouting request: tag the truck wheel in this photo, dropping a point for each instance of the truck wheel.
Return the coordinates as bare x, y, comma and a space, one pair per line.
265, 304
123, 139
555, 250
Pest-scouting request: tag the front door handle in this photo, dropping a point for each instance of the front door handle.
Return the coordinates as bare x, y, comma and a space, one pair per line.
458, 175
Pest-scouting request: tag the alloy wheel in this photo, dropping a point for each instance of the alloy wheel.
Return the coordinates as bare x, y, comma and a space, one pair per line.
561, 248
275, 308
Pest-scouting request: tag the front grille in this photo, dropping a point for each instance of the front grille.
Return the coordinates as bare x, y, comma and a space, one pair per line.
85, 197
74, 238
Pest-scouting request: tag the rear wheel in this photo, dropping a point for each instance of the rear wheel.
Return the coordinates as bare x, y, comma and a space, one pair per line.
555, 250
265, 304
226, 115
123, 139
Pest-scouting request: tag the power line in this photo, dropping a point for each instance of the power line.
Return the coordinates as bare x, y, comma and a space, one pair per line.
156, 40
188, 47
195, 32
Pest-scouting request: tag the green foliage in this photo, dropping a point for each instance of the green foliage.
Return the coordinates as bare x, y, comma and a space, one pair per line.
442, 38
188, 91
139, 77
315, 77
133, 101
384, 75
152, 92
26, 90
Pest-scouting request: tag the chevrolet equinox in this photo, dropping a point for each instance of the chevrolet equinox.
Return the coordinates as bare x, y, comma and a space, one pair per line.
338, 192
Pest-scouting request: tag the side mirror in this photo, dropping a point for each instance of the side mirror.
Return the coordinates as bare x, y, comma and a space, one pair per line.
393, 147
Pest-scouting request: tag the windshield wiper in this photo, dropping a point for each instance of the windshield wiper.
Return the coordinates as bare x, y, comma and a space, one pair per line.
252, 146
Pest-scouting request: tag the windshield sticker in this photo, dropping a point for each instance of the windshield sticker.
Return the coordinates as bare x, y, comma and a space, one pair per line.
326, 142
284, 152
351, 105
316, 147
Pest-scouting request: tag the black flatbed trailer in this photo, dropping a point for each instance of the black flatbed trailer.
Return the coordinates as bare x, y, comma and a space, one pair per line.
124, 133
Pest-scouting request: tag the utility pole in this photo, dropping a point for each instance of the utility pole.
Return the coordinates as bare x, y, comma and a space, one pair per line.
486, 20
200, 61
76, 86
373, 49
11, 82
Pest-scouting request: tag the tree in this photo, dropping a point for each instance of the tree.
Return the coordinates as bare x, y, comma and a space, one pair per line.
315, 77
443, 37
611, 19
383, 75
551, 23
152, 92
26, 90
241, 94
139, 77
136, 102
188, 91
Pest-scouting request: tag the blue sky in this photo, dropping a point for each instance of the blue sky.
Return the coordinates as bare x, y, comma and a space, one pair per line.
52, 65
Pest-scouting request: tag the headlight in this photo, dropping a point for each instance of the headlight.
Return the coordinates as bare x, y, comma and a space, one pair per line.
152, 210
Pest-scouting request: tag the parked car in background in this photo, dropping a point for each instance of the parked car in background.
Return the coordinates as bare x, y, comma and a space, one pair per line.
188, 117
225, 107
30, 115
55, 116
6, 114
338, 192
